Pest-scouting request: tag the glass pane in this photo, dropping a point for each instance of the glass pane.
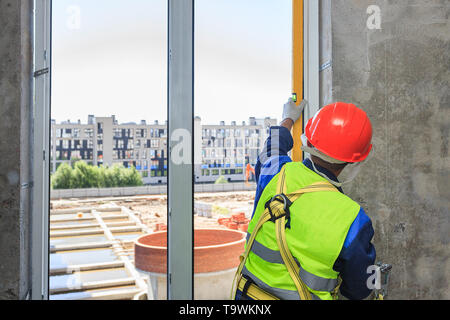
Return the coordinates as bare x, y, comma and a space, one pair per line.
243, 77
108, 146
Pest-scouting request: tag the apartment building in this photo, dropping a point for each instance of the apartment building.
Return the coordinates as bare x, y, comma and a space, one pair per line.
220, 150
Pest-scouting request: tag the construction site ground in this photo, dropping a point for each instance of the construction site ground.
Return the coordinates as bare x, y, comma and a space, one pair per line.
152, 210
92, 240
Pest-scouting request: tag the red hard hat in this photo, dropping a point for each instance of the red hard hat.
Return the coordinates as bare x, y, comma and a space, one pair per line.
341, 131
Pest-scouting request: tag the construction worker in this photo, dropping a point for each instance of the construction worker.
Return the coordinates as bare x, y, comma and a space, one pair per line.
326, 235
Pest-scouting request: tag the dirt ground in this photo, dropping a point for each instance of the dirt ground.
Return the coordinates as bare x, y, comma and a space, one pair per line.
152, 210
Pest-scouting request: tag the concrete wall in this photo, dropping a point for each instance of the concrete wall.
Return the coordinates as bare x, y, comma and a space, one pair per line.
399, 75
15, 134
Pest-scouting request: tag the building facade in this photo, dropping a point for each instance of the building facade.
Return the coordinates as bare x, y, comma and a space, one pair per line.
220, 150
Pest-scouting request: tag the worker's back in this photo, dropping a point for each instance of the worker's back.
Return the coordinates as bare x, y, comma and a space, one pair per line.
316, 233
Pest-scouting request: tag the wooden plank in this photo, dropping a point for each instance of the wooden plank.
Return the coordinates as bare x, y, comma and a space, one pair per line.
80, 246
72, 233
136, 220
65, 233
93, 225
112, 217
84, 210
119, 294
86, 267
94, 285
118, 250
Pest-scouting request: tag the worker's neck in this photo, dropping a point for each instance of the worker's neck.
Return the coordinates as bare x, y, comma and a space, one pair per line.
326, 165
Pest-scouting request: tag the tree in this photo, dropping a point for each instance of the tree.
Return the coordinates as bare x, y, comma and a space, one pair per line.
85, 176
221, 180
82, 175
130, 177
63, 177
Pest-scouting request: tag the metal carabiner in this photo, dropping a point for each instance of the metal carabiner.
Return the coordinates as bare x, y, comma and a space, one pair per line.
287, 204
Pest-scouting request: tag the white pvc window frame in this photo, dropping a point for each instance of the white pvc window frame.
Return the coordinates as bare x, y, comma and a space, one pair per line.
180, 107
41, 149
311, 58
180, 182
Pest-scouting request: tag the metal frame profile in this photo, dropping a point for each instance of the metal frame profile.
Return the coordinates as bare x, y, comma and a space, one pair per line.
180, 144
41, 155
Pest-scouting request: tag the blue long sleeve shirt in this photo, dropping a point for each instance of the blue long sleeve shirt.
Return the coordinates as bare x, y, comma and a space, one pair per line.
358, 253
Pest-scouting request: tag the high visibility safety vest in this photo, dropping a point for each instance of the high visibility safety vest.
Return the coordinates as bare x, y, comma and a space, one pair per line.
313, 230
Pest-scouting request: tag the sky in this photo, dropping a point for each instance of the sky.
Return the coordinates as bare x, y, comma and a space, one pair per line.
110, 58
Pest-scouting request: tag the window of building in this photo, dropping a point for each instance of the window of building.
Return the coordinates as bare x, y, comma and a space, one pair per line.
89, 133
75, 155
67, 133
129, 154
117, 133
154, 143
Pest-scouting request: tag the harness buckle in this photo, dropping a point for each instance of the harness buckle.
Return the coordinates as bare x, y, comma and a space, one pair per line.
282, 198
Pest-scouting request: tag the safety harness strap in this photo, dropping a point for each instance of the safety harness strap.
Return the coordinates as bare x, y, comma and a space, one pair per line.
277, 211
254, 292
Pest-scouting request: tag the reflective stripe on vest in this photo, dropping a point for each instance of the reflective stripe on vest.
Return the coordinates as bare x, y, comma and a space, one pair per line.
311, 280
280, 293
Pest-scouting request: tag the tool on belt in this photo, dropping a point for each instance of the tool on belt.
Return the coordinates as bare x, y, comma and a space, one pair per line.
385, 271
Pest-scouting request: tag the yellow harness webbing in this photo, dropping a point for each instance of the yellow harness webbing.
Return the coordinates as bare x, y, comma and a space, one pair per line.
277, 212
255, 292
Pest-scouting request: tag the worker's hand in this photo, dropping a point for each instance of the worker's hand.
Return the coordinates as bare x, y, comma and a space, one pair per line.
292, 111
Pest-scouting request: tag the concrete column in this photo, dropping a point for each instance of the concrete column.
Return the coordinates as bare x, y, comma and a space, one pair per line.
15, 146
392, 59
